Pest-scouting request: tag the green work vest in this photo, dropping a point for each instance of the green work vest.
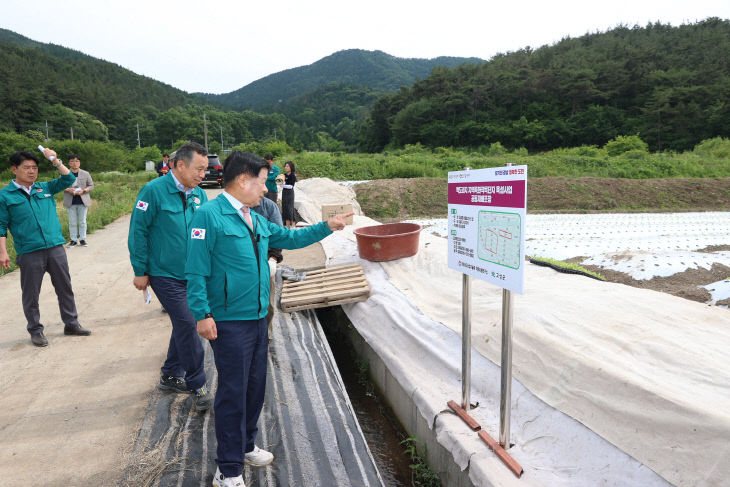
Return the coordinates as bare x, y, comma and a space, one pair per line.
33, 221
271, 179
159, 228
224, 275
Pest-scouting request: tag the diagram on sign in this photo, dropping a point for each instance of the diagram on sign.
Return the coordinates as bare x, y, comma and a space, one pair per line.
499, 238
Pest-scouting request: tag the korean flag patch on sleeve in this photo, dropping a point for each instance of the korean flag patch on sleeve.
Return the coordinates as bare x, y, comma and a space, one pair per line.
198, 233
142, 205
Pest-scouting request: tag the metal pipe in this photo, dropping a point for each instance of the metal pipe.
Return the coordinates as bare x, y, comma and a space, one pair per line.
505, 399
465, 342
466, 338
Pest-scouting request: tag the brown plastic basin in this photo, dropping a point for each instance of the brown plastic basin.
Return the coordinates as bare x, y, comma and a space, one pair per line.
388, 242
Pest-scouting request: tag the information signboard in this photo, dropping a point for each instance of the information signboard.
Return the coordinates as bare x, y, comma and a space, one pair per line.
487, 224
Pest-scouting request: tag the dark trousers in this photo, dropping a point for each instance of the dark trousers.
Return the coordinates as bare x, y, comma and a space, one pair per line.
240, 352
272, 195
33, 267
185, 353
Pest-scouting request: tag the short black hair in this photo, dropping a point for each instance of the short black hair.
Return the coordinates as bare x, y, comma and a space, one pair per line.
73, 156
239, 162
186, 153
17, 158
269, 157
165, 155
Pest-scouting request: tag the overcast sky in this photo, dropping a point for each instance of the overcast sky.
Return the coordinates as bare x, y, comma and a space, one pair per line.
221, 45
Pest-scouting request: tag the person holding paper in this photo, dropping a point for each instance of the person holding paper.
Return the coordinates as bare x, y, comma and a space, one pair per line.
76, 200
228, 293
28, 211
287, 195
158, 242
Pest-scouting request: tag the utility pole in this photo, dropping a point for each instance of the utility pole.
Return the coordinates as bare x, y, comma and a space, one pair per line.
139, 144
46, 130
274, 133
221, 138
72, 133
205, 132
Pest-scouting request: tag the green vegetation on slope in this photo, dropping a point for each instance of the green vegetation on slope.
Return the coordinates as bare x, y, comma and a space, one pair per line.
371, 69
669, 84
710, 159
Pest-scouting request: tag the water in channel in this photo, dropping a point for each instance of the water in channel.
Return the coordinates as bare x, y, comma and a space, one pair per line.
382, 430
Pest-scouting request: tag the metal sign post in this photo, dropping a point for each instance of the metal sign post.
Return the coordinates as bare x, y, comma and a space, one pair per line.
505, 390
465, 342
465, 339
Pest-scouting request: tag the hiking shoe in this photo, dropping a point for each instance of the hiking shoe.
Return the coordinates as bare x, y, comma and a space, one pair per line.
258, 457
72, 243
203, 400
83, 243
76, 330
220, 480
172, 383
39, 339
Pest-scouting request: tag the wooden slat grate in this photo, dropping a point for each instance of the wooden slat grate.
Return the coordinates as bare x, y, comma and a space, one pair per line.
326, 287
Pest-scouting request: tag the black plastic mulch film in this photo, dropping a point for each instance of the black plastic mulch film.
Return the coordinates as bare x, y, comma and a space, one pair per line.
307, 422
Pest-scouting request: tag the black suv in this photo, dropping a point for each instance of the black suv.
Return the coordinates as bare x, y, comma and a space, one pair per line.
214, 173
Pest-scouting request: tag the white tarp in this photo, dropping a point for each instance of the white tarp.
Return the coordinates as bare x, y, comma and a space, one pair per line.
310, 194
647, 371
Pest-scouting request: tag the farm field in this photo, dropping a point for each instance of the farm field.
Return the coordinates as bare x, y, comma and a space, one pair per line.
644, 233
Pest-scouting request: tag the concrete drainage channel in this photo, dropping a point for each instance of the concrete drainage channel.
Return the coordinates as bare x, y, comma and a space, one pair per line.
397, 417
381, 428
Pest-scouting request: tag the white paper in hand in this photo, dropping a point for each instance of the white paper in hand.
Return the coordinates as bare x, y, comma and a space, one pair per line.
40, 148
147, 295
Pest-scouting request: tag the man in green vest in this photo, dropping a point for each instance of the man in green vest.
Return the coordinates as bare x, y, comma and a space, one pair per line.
272, 190
28, 211
158, 242
228, 292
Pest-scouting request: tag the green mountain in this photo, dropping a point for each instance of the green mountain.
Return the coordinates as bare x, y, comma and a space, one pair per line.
40, 81
671, 85
353, 67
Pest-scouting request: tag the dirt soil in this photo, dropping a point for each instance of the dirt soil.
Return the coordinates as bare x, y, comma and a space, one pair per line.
400, 199
426, 197
71, 410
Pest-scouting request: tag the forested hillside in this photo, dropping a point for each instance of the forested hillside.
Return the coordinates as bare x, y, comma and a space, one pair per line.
371, 69
670, 85
42, 81
98, 100
335, 109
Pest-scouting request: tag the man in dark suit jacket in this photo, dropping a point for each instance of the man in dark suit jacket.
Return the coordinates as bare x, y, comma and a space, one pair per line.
163, 167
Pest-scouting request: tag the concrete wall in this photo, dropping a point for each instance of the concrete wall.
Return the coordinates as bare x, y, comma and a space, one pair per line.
438, 458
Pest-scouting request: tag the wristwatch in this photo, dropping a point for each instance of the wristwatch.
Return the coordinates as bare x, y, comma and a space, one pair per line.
208, 315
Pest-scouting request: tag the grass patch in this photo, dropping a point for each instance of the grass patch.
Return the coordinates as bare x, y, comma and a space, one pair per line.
113, 195
415, 161
572, 266
421, 473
